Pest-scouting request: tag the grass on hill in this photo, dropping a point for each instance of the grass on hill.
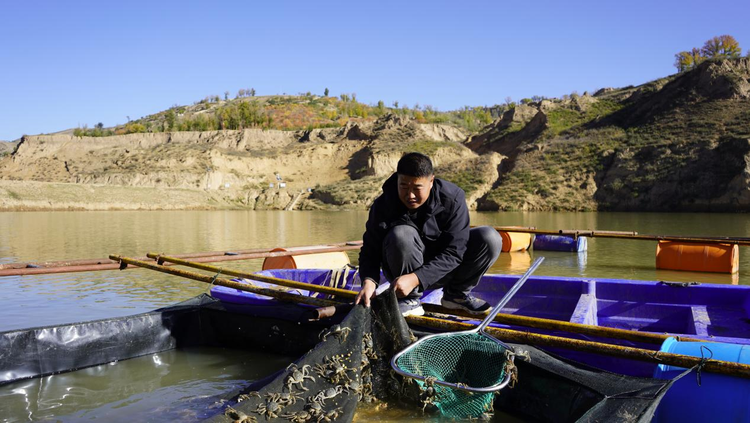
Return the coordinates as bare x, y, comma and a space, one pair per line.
302, 112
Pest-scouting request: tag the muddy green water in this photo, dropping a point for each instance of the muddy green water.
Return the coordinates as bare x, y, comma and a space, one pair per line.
183, 385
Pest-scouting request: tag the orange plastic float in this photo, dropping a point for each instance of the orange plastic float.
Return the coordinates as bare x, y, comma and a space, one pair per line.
719, 258
332, 260
515, 241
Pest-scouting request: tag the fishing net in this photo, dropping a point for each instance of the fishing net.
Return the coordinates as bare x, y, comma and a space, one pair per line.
324, 385
470, 359
549, 389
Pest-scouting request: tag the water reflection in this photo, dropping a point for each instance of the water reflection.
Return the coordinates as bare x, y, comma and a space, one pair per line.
178, 385
189, 383
54, 299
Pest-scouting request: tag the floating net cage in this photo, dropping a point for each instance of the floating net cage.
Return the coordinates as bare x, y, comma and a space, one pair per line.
458, 373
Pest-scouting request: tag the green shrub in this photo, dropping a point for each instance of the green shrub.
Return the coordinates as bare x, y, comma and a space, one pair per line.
467, 180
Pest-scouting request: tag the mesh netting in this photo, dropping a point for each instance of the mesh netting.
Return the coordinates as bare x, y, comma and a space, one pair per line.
471, 359
548, 389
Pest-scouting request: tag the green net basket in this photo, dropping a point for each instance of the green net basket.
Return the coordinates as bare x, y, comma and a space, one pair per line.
458, 372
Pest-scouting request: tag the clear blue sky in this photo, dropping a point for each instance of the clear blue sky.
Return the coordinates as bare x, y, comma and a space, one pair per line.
70, 63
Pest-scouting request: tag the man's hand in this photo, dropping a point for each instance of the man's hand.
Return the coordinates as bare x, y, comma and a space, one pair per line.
404, 285
367, 292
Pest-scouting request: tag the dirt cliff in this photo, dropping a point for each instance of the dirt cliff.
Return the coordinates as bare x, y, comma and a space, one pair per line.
679, 143
251, 168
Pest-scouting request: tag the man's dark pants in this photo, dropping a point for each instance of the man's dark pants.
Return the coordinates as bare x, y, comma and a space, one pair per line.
403, 252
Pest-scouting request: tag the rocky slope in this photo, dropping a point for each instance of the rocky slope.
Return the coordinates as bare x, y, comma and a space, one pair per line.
677, 144
7, 147
680, 143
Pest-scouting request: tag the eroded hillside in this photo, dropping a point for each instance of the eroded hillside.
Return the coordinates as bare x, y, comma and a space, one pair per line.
680, 143
251, 168
676, 144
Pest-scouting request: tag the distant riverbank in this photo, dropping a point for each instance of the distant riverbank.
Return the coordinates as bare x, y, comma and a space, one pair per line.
50, 196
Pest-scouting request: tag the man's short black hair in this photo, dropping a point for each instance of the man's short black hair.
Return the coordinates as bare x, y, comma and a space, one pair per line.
414, 164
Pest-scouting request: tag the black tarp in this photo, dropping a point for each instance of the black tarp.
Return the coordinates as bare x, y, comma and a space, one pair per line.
548, 388
42, 351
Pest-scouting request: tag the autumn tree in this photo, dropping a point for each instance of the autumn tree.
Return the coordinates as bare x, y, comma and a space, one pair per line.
134, 128
723, 46
686, 60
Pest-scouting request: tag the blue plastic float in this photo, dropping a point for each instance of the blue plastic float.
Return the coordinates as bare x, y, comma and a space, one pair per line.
718, 397
560, 243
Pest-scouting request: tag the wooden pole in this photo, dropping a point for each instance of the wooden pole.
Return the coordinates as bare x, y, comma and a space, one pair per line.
216, 280
508, 335
344, 293
549, 324
533, 322
627, 235
322, 249
21, 269
63, 269
86, 262
639, 354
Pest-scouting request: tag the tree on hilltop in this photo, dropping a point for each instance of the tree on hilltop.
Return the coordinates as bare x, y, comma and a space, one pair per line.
170, 119
381, 108
686, 60
325, 93
723, 46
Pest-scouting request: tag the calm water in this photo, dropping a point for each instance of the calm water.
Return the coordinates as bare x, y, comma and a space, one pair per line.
193, 378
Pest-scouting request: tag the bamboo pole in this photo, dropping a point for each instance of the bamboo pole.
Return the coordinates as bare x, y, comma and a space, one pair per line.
627, 235
216, 280
639, 354
563, 326
344, 293
525, 321
508, 335
86, 262
61, 263
22, 269
322, 249
63, 269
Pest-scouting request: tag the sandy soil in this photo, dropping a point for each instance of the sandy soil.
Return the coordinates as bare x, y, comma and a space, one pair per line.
31, 195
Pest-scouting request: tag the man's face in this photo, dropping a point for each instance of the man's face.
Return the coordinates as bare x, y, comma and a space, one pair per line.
414, 190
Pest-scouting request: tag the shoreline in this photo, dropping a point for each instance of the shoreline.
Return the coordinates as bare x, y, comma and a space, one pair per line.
60, 196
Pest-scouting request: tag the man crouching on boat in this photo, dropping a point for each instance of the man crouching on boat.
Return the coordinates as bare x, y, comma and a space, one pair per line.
418, 232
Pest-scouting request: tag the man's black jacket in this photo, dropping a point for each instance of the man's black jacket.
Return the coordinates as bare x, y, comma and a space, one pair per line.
442, 222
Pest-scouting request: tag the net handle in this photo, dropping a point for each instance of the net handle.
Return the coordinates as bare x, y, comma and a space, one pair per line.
508, 295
